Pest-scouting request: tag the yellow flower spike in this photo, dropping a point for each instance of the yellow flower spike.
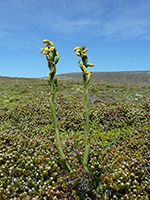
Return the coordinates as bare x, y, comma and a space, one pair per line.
50, 52
85, 50
86, 79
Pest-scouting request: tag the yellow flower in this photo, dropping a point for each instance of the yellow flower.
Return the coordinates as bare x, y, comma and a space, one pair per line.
83, 54
89, 73
45, 50
88, 77
90, 65
76, 48
52, 48
85, 50
78, 54
47, 42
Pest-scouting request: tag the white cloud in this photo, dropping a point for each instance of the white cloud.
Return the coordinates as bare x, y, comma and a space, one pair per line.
127, 22
112, 19
122, 20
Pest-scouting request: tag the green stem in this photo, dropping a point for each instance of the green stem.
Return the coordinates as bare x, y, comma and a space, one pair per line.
53, 112
64, 163
87, 142
53, 90
86, 111
86, 154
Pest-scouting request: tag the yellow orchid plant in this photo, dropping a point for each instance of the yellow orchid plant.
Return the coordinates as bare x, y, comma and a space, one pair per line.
81, 52
52, 57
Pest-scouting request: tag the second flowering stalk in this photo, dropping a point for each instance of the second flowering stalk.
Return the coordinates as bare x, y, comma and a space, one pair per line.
81, 52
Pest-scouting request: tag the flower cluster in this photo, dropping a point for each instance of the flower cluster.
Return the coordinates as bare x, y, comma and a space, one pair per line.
81, 52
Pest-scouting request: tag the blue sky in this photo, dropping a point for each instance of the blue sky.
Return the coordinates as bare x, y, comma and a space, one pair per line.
117, 33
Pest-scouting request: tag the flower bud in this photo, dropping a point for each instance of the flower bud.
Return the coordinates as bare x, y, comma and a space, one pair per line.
85, 50
76, 48
90, 65
47, 42
78, 54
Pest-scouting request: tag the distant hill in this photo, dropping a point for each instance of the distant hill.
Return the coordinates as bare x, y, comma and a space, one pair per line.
136, 77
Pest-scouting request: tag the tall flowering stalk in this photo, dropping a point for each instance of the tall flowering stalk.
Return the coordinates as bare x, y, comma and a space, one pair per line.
52, 57
81, 52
